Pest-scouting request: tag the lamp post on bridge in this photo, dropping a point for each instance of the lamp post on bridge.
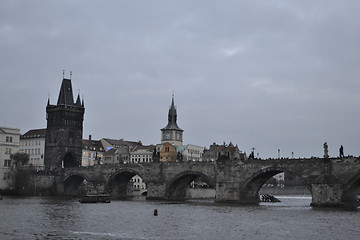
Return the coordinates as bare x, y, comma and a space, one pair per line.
253, 152
279, 153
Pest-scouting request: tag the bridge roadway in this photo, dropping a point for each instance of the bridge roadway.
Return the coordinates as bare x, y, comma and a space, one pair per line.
332, 182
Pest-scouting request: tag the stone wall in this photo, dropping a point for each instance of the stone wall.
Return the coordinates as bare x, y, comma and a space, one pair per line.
33, 183
200, 193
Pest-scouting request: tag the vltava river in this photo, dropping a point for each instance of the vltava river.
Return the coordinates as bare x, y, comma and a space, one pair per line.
51, 218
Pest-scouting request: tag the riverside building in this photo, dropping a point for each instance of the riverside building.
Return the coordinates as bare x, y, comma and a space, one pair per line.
9, 144
33, 144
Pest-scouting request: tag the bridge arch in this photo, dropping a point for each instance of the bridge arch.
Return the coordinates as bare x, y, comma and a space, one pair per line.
249, 189
118, 184
352, 191
73, 183
176, 187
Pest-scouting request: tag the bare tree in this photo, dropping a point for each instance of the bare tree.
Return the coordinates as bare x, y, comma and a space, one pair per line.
19, 158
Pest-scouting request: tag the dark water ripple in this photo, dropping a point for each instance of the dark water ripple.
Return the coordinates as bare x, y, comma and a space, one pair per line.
51, 218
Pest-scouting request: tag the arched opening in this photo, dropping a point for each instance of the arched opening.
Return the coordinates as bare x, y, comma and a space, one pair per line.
137, 187
126, 185
190, 185
69, 161
74, 185
271, 185
351, 196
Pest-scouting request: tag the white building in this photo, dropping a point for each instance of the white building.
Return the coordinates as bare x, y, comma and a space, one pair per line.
191, 152
9, 144
138, 185
33, 144
142, 154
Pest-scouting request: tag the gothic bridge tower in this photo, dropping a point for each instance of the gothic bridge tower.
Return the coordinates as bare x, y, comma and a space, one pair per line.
63, 142
171, 133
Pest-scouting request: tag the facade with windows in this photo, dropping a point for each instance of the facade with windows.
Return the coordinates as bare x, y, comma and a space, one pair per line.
191, 152
33, 144
118, 151
9, 144
167, 152
142, 154
216, 151
113, 156
138, 185
92, 153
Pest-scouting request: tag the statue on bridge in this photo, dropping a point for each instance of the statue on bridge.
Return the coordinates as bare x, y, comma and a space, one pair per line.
326, 151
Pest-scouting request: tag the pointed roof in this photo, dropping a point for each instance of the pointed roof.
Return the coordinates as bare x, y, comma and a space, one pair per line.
66, 93
78, 101
172, 117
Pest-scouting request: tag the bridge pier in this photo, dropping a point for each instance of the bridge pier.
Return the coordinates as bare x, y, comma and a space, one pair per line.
156, 191
227, 192
327, 191
93, 187
230, 192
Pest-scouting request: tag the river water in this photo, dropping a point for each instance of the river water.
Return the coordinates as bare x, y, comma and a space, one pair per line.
292, 218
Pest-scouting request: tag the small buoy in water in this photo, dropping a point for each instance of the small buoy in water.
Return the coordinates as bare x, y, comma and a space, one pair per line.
155, 212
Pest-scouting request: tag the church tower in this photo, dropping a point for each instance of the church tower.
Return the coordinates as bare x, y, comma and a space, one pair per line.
63, 141
172, 133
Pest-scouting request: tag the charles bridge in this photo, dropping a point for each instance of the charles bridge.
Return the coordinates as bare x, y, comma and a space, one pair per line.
332, 182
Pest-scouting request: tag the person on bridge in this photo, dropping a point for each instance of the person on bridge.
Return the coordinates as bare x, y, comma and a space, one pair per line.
341, 151
326, 151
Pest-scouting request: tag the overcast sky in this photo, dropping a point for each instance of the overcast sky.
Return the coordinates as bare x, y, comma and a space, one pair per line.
265, 74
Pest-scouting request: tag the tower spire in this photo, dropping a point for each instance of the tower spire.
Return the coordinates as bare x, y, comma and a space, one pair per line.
78, 101
172, 117
66, 94
48, 103
172, 133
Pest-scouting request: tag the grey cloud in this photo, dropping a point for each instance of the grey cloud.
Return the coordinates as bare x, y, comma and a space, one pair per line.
264, 74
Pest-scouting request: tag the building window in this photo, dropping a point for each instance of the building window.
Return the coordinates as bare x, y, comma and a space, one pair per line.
7, 162
9, 139
7, 150
7, 176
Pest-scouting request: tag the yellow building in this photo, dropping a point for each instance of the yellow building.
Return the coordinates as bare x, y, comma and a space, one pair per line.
168, 152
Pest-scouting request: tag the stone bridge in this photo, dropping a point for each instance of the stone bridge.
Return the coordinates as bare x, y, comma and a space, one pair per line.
332, 182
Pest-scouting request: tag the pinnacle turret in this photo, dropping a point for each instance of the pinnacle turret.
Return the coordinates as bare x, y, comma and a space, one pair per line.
172, 118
